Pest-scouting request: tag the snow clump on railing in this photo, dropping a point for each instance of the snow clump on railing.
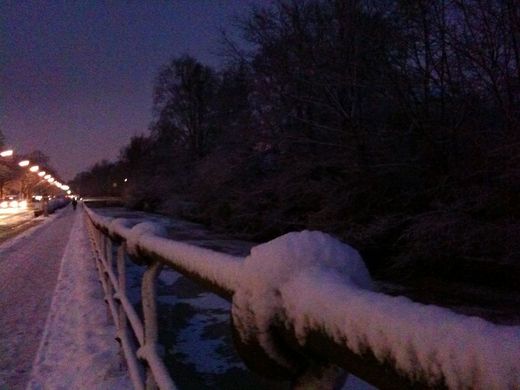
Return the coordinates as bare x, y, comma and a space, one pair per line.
143, 230
257, 301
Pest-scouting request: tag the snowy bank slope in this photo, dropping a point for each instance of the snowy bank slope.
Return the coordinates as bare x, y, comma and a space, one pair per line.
78, 350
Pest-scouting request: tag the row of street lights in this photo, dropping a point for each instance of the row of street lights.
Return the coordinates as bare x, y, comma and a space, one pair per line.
36, 169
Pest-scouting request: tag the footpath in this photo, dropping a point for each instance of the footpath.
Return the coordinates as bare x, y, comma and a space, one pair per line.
54, 331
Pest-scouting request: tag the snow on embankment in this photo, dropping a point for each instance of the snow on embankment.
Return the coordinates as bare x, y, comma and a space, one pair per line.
314, 282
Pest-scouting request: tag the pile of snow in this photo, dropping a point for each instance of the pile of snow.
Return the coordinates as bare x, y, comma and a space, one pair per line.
120, 226
138, 232
271, 266
315, 282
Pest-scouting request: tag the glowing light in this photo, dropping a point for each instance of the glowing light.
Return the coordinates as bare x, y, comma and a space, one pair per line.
4, 204
47, 177
65, 187
34, 168
22, 204
125, 180
6, 153
50, 179
13, 204
41, 173
38, 197
69, 192
24, 163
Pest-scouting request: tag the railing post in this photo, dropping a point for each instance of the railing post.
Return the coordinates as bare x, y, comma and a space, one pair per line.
150, 315
121, 278
107, 255
135, 369
157, 374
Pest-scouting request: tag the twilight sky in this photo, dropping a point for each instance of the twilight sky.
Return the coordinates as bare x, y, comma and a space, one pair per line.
76, 76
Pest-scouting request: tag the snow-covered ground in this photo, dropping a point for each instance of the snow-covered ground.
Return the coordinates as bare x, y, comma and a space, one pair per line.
78, 350
59, 323
29, 267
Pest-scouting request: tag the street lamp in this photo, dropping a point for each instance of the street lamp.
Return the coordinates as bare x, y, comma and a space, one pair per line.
6, 153
41, 173
34, 168
24, 163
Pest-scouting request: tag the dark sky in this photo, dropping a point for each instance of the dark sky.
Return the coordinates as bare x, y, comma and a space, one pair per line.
76, 76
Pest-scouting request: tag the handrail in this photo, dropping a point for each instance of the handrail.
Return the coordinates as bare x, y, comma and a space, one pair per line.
298, 319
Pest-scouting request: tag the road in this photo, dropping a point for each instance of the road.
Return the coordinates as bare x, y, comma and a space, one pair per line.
14, 221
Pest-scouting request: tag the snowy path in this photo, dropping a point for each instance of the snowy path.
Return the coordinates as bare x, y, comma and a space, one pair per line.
78, 348
52, 311
28, 274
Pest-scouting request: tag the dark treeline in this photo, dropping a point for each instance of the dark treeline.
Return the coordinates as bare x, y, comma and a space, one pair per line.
392, 124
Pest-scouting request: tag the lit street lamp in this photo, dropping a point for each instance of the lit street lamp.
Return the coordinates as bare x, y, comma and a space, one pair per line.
34, 168
6, 153
24, 163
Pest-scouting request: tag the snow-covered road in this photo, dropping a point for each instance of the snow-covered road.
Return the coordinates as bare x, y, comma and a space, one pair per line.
28, 273
11, 216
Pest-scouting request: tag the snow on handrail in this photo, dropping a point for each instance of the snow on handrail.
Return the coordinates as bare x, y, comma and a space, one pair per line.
307, 294
221, 271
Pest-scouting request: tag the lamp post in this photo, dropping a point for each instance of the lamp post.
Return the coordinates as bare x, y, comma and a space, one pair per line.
44, 176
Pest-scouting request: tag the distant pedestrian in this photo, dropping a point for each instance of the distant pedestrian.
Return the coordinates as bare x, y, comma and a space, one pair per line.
74, 203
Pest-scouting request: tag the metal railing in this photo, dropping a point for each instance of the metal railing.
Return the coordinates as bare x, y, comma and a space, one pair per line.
309, 353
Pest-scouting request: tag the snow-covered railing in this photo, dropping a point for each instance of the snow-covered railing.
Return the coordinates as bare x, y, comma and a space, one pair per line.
304, 305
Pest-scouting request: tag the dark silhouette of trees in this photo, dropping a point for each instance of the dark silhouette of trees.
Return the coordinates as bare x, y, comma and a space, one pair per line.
103, 179
393, 124
183, 94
